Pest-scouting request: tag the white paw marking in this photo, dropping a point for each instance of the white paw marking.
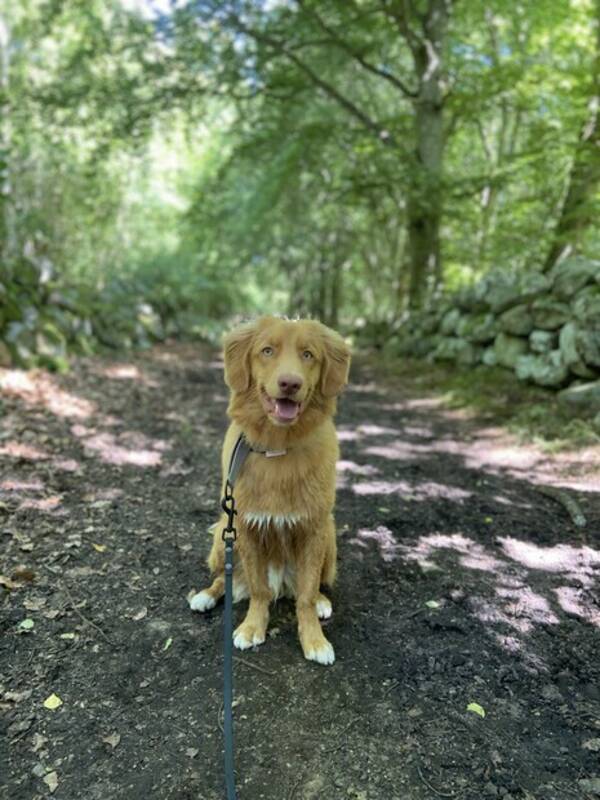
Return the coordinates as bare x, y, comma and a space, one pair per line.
202, 601
324, 655
324, 609
242, 643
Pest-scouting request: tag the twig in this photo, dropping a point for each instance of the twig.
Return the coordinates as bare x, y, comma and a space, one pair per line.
566, 789
567, 501
22, 734
409, 615
339, 734
432, 788
254, 666
83, 617
295, 786
220, 717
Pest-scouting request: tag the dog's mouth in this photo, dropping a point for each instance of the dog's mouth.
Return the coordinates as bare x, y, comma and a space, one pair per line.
284, 410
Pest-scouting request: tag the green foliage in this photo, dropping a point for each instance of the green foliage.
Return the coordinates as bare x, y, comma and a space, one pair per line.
163, 172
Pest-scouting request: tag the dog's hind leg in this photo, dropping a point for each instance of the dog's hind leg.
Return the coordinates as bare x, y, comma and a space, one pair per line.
329, 568
208, 598
324, 607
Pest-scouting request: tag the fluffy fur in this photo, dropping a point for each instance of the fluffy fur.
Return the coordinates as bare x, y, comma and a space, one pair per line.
284, 378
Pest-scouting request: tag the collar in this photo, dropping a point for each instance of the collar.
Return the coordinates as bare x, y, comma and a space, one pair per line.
239, 454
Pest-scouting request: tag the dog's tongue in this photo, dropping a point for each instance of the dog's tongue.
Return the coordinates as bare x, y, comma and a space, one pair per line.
286, 409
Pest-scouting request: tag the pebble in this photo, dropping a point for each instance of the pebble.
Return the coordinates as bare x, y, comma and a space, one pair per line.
591, 785
591, 691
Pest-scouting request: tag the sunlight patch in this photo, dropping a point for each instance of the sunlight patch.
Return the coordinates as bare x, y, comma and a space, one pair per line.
345, 435
40, 389
472, 554
130, 447
127, 372
377, 430
66, 464
12, 485
559, 558
383, 538
43, 504
423, 491
577, 602
525, 603
23, 451
356, 469
398, 450
105, 446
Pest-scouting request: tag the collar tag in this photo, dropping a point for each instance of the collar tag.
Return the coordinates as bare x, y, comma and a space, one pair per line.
273, 453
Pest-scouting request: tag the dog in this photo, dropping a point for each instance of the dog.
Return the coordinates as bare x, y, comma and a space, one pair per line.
284, 378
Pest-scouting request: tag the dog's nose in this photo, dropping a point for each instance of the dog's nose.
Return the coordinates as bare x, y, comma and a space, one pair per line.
289, 384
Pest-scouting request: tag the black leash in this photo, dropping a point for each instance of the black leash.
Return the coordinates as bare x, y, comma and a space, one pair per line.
239, 454
229, 535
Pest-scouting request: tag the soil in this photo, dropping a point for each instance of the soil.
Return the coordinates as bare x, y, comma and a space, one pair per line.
460, 582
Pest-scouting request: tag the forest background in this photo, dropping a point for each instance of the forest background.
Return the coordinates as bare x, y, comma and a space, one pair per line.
166, 166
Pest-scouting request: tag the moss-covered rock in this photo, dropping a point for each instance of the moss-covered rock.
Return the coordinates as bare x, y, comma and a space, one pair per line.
582, 396
478, 328
450, 322
572, 274
569, 348
550, 314
508, 349
517, 320
543, 341
460, 351
547, 369
588, 344
586, 307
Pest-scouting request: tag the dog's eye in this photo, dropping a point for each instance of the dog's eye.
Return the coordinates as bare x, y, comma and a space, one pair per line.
307, 355
267, 351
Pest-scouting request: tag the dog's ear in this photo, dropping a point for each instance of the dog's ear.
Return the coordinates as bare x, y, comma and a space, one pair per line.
336, 362
236, 350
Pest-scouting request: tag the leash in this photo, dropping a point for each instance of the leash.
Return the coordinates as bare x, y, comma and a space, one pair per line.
240, 452
229, 535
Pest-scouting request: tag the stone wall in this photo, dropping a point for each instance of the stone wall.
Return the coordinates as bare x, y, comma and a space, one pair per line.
546, 328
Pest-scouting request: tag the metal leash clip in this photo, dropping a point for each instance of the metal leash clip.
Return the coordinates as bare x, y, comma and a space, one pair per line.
229, 533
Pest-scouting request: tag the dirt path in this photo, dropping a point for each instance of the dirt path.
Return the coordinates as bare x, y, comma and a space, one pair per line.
459, 582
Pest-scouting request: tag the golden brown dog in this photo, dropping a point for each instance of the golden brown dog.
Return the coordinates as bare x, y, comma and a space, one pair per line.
284, 378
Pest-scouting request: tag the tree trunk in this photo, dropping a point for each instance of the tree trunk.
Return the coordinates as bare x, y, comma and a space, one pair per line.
6, 221
316, 282
335, 293
424, 206
577, 213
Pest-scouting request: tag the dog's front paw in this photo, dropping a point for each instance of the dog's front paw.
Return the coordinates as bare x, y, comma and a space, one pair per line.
247, 635
203, 601
318, 649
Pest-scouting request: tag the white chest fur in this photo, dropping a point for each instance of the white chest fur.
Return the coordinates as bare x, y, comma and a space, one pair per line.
263, 520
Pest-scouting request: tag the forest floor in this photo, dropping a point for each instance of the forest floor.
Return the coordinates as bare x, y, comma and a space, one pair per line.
460, 582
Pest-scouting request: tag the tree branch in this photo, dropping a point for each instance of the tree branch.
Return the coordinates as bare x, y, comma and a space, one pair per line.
325, 86
400, 17
343, 45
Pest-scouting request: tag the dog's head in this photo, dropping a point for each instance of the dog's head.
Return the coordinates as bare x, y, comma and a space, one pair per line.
285, 367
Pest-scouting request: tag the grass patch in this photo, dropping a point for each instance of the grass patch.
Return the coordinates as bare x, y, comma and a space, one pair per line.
532, 413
